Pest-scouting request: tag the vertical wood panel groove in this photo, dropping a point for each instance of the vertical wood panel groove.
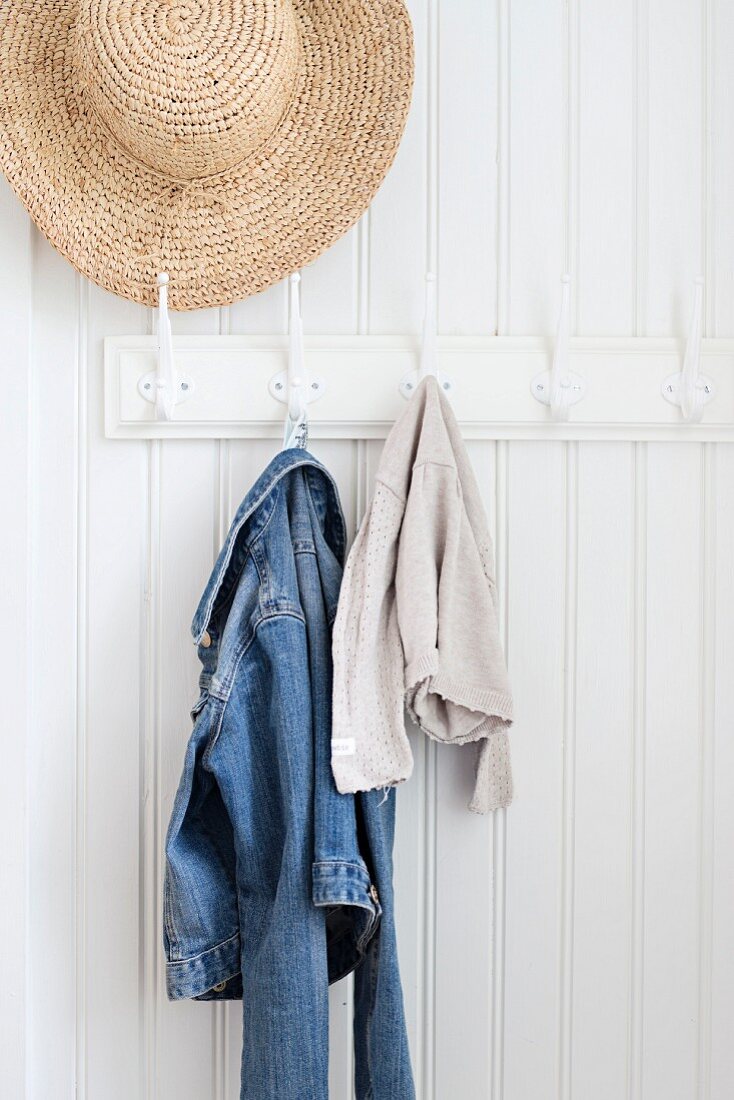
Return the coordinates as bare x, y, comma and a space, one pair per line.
419, 1055
503, 173
429, 924
360, 493
499, 839
363, 274
708, 195
30, 456
637, 829
642, 188
150, 842
82, 635
565, 951
220, 1053
571, 158
430, 747
432, 156
568, 777
224, 512
706, 792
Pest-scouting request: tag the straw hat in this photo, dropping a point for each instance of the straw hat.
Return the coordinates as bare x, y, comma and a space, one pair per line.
226, 142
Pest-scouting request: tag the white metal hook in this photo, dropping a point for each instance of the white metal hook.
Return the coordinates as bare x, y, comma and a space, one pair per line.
689, 388
163, 387
560, 387
293, 385
165, 379
559, 381
428, 363
428, 360
296, 368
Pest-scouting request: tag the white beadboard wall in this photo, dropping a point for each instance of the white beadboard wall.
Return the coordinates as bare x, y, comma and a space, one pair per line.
580, 946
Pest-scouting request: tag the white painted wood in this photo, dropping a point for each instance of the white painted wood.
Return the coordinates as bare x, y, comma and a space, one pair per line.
716, 1064
536, 566
56, 710
491, 393
676, 163
399, 249
15, 500
605, 226
579, 945
266, 312
537, 203
603, 764
463, 933
467, 170
187, 517
330, 288
720, 981
718, 211
672, 770
114, 733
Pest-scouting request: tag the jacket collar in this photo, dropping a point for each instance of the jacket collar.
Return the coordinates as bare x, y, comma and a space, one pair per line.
279, 468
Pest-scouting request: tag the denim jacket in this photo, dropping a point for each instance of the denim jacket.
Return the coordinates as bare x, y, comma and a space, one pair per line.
275, 883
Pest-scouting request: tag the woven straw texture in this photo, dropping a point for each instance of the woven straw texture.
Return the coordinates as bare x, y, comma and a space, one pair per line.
226, 142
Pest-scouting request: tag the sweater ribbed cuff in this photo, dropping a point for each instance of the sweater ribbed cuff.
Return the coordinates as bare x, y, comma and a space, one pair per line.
495, 705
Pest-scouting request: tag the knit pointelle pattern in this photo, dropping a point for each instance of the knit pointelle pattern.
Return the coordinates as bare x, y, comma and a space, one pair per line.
417, 623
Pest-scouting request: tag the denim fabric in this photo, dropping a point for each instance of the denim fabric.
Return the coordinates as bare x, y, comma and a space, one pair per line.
275, 883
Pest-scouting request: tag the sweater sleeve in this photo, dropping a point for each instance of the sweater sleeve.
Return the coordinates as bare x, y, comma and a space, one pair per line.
456, 684
369, 747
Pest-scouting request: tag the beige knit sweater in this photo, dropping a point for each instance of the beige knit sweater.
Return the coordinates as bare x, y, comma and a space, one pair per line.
417, 617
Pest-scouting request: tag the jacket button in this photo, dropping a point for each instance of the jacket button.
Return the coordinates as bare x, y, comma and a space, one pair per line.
206, 639
219, 987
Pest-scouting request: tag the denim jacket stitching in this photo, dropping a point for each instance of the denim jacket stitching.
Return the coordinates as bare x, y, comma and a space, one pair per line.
227, 684
214, 732
201, 954
340, 541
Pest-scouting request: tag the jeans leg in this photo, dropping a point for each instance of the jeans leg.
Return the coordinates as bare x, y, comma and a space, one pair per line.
382, 1058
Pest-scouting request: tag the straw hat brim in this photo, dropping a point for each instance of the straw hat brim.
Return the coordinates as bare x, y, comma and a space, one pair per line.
232, 234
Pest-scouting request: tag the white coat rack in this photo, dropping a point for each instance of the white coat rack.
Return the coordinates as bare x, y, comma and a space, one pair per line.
229, 387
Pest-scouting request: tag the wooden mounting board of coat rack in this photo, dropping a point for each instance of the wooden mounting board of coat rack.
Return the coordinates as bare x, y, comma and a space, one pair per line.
491, 393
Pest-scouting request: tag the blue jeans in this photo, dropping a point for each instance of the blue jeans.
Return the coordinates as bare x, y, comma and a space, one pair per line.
276, 884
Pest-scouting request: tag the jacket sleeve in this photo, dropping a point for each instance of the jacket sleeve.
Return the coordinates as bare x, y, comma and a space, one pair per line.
456, 684
369, 747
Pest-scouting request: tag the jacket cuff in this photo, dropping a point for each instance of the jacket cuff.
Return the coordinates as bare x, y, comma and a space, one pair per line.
199, 974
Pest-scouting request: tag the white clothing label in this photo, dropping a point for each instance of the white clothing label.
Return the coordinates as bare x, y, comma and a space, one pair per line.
343, 746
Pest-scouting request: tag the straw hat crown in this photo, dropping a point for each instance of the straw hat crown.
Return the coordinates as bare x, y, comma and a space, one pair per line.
189, 89
225, 142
